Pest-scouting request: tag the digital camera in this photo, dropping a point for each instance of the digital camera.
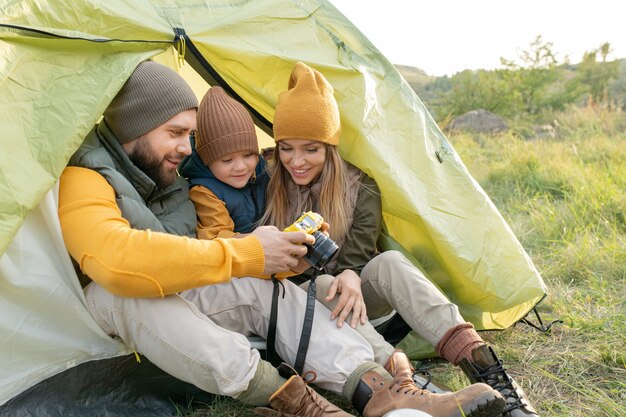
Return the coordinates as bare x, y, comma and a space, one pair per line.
319, 253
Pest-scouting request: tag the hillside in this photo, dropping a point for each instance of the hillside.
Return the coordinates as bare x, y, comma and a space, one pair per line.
501, 90
417, 78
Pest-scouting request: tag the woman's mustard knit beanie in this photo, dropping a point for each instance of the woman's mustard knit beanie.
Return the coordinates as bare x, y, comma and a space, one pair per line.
307, 110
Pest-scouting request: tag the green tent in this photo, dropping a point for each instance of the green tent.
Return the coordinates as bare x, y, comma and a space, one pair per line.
61, 63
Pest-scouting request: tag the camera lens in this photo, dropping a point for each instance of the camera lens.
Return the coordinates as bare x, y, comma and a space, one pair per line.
320, 252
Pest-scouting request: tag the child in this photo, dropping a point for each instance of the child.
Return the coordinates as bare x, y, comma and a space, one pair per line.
227, 175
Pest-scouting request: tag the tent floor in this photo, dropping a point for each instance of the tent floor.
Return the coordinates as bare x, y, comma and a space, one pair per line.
124, 387
110, 387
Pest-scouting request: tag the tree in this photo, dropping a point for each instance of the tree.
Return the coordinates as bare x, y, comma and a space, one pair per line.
533, 77
470, 90
596, 75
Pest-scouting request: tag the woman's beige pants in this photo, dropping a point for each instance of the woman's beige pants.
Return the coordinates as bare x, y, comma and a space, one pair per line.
391, 282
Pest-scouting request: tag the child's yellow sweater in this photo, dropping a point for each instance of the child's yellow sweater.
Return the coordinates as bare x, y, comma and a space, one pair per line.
213, 217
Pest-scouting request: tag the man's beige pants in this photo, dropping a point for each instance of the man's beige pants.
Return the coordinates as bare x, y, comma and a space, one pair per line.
391, 282
199, 336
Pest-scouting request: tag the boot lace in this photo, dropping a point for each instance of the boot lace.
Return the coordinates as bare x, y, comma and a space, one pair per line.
408, 386
496, 377
319, 403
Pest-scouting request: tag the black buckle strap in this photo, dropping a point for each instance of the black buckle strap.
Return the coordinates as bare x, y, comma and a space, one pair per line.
270, 353
424, 372
307, 325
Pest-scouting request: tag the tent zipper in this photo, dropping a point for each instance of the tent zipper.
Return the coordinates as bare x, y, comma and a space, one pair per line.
199, 63
100, 40
443, 150
210, 75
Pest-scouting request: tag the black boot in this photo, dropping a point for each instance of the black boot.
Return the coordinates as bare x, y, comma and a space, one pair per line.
487, 368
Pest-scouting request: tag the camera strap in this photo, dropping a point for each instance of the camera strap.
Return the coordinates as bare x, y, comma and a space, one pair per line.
307, 325
270, 353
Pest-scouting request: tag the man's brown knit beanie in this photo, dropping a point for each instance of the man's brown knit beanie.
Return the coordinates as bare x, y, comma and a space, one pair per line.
224, 127
152, 95
307, 110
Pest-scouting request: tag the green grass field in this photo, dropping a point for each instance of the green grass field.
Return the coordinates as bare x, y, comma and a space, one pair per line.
565, 199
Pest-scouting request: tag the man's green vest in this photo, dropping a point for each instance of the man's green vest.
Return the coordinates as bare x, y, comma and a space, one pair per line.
142, 203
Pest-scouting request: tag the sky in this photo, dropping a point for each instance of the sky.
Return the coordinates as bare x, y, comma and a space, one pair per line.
443, 37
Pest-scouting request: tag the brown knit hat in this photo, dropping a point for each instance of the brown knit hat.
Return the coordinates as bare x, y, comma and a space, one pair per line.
224, 127
307, 110
152, 95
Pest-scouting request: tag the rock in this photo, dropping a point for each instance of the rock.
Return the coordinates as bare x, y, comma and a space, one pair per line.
479, 121
544, 132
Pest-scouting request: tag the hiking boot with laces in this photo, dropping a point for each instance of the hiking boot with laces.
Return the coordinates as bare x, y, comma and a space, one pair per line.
374, 397
488, 369
296, 399
399, 367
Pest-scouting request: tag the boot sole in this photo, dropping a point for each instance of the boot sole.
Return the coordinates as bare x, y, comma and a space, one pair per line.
486, 405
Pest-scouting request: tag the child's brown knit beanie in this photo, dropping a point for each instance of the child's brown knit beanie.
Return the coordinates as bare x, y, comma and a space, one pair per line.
151, 96
224, 127
307, 110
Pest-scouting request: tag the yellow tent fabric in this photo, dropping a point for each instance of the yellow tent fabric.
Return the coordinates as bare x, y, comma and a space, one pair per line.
61, 63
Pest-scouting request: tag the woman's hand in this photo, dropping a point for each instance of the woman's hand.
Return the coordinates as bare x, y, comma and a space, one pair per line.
348, 285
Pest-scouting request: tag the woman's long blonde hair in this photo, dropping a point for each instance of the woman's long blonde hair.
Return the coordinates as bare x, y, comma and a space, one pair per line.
334, 204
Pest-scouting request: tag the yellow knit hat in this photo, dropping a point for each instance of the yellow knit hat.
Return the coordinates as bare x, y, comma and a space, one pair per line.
307, 110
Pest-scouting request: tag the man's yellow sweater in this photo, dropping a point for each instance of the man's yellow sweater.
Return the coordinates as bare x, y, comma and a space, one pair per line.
141, 263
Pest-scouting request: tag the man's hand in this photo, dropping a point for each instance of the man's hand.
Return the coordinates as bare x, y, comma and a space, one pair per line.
283, 250
302, 266
348, 285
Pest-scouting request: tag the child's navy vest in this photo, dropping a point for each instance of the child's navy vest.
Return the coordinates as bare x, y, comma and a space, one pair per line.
245, 205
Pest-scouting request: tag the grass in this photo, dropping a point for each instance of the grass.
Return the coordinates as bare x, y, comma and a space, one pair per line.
565, 199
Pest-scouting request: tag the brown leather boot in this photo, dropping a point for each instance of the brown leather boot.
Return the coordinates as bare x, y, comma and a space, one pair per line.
374, 397
487, 368
296, 399
399, 367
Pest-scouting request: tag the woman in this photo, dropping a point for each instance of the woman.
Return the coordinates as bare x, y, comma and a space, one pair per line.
309, 174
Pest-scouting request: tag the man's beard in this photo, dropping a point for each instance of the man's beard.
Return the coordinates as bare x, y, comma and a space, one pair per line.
144, 158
